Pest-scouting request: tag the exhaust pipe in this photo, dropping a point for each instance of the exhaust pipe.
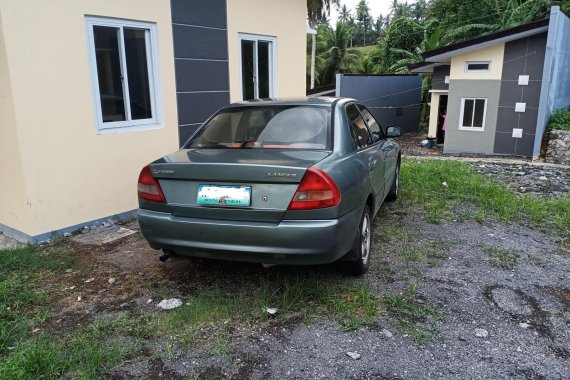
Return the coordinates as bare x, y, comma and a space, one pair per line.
167, 255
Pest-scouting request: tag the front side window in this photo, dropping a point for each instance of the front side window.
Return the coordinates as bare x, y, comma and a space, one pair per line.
266, 127
358, 127
473, 112
124, 80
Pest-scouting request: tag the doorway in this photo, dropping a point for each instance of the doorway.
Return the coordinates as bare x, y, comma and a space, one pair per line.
441, 119
257, 60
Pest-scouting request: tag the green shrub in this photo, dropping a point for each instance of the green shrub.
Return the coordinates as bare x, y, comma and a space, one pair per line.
560, 120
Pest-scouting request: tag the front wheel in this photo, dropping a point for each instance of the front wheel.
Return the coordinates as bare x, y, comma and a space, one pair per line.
362, 246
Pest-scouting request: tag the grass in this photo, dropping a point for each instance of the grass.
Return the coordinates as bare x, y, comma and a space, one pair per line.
486, 199
501, 258
414, 318
25, 307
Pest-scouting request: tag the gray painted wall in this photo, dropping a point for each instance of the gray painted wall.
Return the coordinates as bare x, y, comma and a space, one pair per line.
556, 76
457, 140
524, 56
200, 37
438, 77
394, 100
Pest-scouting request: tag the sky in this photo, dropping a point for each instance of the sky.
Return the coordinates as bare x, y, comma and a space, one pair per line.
376, 7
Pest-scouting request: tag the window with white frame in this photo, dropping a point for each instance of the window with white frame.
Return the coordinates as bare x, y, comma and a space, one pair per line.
125, 73
257, 61
473, 112
477, 65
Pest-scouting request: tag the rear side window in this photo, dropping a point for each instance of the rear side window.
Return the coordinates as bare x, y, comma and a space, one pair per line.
266, 127
358, 127
373, 125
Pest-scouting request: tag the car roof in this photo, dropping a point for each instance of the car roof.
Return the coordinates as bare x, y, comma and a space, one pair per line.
307, 101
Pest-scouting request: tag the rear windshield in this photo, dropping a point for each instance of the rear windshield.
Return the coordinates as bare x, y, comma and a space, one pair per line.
266, 127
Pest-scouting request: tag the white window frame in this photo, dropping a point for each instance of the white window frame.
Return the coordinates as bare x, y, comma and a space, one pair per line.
466, 128
153, 76
272, 63
467, 63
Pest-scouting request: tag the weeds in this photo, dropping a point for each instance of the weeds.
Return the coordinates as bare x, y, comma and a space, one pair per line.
422, 185
501, 258
414, 318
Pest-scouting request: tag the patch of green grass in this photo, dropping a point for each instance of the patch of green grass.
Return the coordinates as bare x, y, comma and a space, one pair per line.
24, 306
414, 318
566, 319
300, 295
501, 258
422, 185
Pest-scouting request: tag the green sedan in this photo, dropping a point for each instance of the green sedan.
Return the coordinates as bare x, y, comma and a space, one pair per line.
274, 182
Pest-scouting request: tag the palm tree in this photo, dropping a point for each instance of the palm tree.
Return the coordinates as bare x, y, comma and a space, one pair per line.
334, 54
345, 15
317, 10
363, 16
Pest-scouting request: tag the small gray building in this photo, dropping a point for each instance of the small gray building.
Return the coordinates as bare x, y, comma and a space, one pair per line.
494, 94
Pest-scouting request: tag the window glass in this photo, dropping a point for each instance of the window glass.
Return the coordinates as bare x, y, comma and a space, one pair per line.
137, 71
373, 125
477, 66
468, 112
109, 73
479, 113
263, 68
358, 127
266, 127
248, 69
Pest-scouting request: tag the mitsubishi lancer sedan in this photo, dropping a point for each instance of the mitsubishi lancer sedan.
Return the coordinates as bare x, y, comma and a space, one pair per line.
274, 182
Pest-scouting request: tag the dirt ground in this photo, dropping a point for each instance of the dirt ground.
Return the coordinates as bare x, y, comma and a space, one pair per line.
501, 292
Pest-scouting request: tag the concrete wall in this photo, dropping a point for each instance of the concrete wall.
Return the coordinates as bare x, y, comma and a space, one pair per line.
524, 56
285, 20
494, 54
555, 92
433, 115
475, 141
12, 189
71, 173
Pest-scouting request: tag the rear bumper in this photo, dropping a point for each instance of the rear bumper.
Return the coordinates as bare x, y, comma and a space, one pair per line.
288, 242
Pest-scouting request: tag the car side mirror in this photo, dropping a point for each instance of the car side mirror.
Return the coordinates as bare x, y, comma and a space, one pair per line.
393, 132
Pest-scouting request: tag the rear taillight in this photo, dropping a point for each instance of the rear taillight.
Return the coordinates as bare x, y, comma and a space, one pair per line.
316, 190
148, 187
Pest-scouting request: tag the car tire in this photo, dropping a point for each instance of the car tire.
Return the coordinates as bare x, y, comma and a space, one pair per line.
393, 194
361, 247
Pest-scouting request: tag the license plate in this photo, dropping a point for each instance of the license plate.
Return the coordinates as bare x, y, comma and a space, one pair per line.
218, 195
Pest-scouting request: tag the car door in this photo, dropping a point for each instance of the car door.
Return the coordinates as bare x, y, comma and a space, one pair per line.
368, 151
386, 148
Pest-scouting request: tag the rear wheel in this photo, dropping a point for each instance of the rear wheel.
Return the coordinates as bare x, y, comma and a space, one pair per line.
393, 194
362, 246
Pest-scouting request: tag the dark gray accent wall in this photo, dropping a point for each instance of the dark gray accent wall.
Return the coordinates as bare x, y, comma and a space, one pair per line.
200, 37
438, 77
394, 99
522, 57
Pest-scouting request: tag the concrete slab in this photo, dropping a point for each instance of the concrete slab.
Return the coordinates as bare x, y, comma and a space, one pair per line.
7, 242
103, 235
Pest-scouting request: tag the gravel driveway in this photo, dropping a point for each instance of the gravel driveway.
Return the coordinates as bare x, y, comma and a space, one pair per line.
501, 291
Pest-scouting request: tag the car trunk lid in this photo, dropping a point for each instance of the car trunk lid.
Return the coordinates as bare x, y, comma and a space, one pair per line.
272, 177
